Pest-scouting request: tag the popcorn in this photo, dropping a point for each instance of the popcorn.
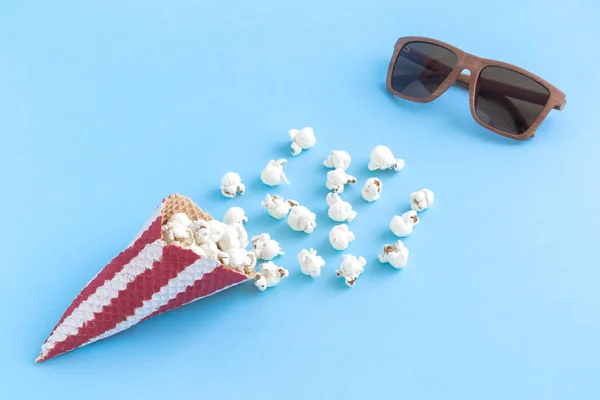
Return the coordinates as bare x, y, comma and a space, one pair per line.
339, 210
206, 235
176, 234
216, 228
180, 219
234, 234
382, 158
177, 230
241, 259
396, 255
302, 219
310, 262
277, 207
201, 230
273, 173
372, 189
230, 239
214, 239
340, 237
402, 225
231, 185
302, 139
351, 268
269, 275
210, 250
205, 250
265, 247
242, 235
337, 178
421, 200
338, 159
205, 231
235, 215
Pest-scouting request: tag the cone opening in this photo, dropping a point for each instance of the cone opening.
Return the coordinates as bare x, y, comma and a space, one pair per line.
177, 203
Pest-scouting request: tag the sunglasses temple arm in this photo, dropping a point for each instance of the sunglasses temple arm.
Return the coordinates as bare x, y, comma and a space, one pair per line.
463, 80
511, 90
507, 89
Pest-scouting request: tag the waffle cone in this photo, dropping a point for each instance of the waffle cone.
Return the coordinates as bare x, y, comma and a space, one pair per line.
148, 278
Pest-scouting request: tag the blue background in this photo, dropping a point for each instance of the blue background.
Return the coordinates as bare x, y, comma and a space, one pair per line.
107, 108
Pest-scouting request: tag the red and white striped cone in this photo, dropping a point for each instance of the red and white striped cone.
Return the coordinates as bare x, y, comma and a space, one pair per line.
146, 279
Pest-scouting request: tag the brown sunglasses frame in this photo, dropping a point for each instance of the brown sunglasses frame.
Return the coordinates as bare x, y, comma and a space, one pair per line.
474, 64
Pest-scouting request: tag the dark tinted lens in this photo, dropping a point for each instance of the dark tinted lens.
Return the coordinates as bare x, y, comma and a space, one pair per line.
421, 68
508, 100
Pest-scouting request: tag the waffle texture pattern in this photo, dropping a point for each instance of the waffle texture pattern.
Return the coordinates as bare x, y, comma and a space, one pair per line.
148, 278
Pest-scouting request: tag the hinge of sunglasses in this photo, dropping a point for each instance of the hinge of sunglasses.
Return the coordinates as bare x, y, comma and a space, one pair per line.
561, 106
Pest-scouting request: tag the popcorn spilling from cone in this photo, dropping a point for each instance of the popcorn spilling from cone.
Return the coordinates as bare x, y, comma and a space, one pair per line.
183, 254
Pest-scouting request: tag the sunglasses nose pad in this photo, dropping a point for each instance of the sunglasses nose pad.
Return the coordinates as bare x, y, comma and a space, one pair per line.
464, 78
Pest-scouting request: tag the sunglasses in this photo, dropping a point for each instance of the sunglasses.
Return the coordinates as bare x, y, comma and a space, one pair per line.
504, 98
